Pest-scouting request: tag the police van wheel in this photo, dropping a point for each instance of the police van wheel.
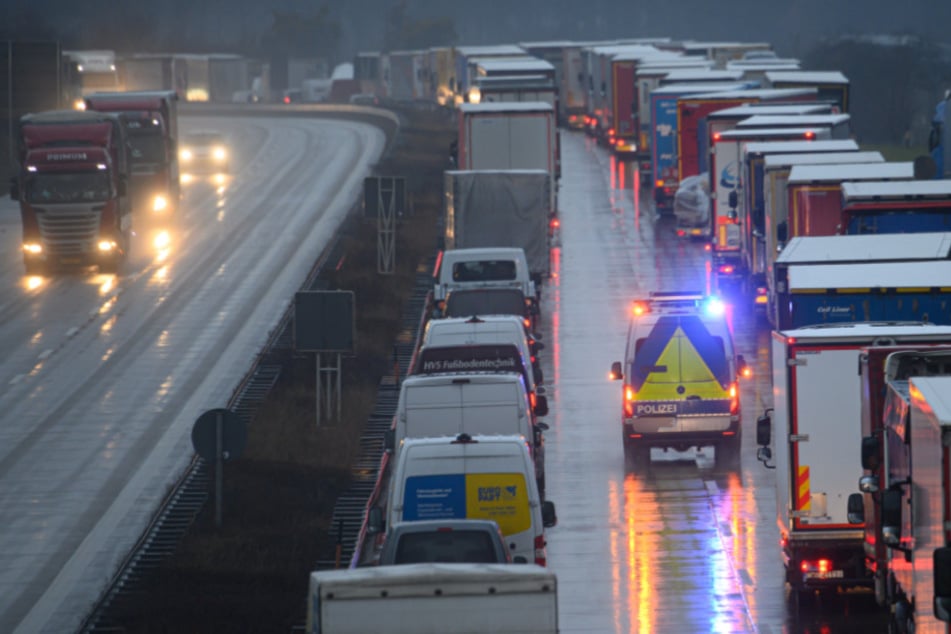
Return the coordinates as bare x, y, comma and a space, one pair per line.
637, 456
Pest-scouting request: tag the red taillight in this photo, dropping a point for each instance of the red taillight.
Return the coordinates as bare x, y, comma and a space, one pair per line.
555, 223
639, 308
810, 136
726, 269
628, 400
540, 558
287, 99
527, 322
734, 398
658, 183
532, 398
610, 131
716, 136
681, 233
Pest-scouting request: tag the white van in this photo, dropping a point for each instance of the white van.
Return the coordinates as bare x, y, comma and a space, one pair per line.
487, 329
471, 403
472, 477
490, 267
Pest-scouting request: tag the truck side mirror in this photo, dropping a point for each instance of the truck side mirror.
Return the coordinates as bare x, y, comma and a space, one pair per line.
14, 189
537, 374
782, 232
871, 453
764, 431
549, 517
734, 200
389, 440
891, 517
375, 520
856, 508
541, 406
942, 583
617, 373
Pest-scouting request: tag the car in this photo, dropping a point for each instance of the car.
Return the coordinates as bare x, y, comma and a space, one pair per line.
445, 541
467, 302
680, 378
204, 151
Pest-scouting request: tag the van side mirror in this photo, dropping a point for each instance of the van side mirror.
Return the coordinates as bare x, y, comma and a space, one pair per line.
542, 426
871, 453
537, 345
541, 406
537, 375
549, 517
617, 372
856, 508
942, 583
891, 517
389, 440
764, 431
375, 520
14, 189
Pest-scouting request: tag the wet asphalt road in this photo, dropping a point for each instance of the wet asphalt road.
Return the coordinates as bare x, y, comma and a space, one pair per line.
687, 546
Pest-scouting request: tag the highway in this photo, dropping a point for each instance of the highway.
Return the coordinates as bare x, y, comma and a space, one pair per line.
101, 377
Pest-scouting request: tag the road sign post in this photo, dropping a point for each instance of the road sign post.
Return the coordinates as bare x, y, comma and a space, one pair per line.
219, 435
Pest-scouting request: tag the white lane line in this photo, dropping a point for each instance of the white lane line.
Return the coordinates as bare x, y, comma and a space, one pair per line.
17, 379
71, 332
45, 354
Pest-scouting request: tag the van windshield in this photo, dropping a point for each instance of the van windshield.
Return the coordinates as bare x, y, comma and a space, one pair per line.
485, 302
455, 546
484, 271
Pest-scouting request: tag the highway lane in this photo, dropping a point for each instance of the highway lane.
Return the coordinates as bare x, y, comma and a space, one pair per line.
101, 376
688, 547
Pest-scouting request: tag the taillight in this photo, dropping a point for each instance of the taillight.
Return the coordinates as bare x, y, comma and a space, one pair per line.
821, 565
527, 322
628, 400
532, 399
726, 269
716, 136
540, 558
810, 135
287, 99
555, 223
658, 183
734, 399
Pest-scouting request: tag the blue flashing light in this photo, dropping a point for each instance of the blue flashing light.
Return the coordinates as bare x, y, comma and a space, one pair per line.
714, 307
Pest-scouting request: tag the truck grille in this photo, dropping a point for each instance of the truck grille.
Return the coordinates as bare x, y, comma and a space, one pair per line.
69, 229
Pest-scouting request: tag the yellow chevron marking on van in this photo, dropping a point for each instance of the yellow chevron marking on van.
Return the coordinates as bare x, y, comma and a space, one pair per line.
685, 367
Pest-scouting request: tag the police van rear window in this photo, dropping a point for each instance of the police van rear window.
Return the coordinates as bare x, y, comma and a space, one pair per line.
484, 302
484, 271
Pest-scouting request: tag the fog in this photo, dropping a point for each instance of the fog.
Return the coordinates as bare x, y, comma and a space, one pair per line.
241, 26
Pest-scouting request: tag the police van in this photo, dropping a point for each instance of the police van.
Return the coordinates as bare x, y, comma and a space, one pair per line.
680, 378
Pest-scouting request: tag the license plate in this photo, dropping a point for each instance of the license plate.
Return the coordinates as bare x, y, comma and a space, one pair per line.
832, 574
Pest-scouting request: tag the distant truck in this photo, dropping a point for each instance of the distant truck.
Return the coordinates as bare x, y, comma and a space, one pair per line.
509, 136
844, 279
434, 598
832, 86
813, 435
895, 207
501, 208
90, 71
72, 189
914, 516
885, 372
151, 123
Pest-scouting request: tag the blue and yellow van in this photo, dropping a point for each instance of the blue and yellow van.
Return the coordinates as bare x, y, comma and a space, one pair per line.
680, 374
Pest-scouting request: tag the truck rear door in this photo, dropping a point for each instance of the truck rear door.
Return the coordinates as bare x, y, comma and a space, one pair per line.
825, 434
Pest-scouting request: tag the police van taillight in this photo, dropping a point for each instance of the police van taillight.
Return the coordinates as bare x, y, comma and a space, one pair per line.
734, 398
628, 400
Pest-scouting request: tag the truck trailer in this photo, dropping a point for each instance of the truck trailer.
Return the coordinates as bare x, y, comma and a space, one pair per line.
813, 437
895, 207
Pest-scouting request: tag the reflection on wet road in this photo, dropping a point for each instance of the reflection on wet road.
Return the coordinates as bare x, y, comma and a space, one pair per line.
686, 546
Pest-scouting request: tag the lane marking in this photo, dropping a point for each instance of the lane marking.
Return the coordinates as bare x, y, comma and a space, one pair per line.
72, 332
16, 379
45, 354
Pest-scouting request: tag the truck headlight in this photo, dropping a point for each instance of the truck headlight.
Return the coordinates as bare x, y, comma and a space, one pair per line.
186, 154
159, 203
219, 153
33, 248
107, 245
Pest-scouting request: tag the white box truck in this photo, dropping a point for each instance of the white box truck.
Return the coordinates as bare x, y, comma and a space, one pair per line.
434, 598
813, 436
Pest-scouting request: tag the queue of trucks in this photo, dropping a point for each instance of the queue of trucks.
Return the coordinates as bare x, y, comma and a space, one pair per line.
802, 225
